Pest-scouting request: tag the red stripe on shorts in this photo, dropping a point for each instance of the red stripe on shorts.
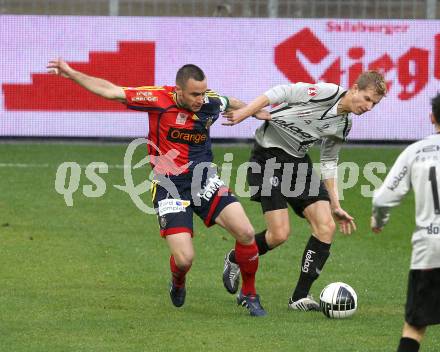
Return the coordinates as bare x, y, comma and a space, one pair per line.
175, 230
221, 191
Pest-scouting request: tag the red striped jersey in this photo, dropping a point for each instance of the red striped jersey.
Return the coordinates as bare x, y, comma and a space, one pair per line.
178, 138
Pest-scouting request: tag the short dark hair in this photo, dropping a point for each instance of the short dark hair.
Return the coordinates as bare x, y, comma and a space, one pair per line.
373, 79
435, 102
189, 71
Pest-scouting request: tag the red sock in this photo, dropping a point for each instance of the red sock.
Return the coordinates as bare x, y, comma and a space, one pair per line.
247, 259
177, 273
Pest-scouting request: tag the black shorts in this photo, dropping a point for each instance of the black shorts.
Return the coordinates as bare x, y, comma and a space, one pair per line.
423, 298
294, 182
176, 199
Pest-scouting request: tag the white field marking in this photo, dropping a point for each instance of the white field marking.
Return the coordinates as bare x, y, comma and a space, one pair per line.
30, 166
111, 166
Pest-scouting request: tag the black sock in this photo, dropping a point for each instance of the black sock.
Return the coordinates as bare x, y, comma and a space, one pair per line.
314, 257
408, 345
263, 247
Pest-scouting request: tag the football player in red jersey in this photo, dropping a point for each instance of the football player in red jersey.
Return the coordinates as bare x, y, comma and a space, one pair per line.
179, 121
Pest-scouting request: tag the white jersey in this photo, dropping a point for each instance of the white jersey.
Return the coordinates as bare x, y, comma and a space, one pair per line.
306, 114
417, 167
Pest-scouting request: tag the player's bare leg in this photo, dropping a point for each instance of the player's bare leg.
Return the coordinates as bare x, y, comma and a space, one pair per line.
182, 255
411, 338
234, 220
315, 254
278, 227
320, 217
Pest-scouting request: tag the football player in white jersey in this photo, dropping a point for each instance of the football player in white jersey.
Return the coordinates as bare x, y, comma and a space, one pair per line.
304, 114
417, 167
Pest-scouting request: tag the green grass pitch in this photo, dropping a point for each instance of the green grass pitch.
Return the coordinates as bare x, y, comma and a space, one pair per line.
94, 277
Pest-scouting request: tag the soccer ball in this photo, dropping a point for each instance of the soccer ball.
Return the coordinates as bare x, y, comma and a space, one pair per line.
338, 300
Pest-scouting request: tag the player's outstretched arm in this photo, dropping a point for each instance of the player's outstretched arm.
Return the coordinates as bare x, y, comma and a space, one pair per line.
235, 104
253, 108
95, 85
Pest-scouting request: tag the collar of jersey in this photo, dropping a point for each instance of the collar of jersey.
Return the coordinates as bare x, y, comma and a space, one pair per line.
334, 110
193, 115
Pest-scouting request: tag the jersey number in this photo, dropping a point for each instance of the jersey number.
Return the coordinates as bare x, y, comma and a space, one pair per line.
433, 179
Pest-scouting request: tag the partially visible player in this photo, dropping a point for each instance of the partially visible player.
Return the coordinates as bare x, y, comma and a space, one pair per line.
179, 120
305, 114
417, 167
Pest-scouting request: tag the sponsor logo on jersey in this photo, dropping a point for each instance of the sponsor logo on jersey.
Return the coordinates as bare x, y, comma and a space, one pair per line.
144, 96
181, 118
291, 127
168, 206
193, 137
396, 180
312, 91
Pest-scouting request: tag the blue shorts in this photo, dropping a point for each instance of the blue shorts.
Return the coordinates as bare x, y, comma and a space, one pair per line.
176, 198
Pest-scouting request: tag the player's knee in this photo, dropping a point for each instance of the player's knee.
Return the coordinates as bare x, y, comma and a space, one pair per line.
245, 234
279, 235
184, 259
325, 230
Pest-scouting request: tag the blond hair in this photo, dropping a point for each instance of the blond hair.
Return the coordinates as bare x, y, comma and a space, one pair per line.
373, 79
